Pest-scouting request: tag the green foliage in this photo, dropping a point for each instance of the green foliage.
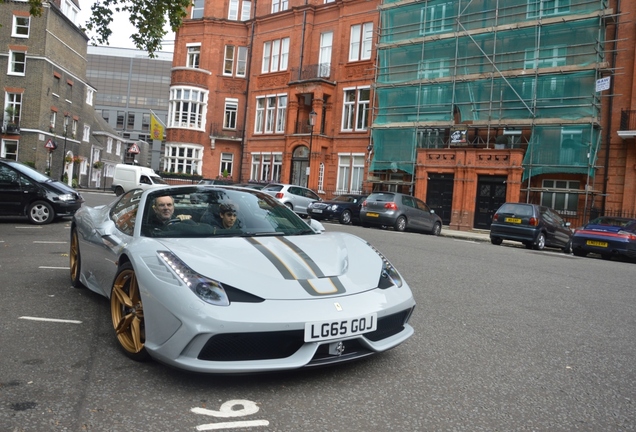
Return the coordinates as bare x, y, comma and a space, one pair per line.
147, 16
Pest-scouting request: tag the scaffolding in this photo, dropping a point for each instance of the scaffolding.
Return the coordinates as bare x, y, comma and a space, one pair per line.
528, 66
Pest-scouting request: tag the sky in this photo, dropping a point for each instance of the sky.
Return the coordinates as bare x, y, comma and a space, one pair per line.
121, 27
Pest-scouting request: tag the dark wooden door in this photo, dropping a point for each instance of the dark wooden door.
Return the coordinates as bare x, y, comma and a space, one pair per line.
439, 195
491, 194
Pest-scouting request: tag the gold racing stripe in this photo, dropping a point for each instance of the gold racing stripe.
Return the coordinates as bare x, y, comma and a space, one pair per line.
287, 273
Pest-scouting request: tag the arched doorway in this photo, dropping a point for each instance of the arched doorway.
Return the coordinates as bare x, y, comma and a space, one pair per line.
300, 163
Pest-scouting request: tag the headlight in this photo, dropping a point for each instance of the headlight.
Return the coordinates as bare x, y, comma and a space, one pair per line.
389, 276
208, 290
334, 207
66, 197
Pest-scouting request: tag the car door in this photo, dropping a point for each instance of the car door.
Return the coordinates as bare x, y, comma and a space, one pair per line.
428, 220
410, 210
562, 232
15, 191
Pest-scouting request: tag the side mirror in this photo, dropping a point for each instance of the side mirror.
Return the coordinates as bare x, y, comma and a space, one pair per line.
315, 225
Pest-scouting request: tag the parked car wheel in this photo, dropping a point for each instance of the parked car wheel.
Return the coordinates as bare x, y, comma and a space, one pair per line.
40, 213
437, 229
289, 205
568, 248
496, 241
119, 190
345, 217
539, 243
400, 224
75, 261
127, 314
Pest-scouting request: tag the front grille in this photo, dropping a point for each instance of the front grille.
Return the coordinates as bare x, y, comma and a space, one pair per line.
388, 326
252, 346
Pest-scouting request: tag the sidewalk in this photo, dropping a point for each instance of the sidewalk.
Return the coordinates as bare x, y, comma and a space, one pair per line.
474, 235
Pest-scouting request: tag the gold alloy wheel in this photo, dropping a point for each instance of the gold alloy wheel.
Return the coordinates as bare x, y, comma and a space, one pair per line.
127, 313
75, 259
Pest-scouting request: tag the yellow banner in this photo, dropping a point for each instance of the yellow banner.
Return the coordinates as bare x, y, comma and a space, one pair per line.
156, 128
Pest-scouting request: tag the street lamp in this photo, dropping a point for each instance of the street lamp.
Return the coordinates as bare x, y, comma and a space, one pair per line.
64, 152
312, 122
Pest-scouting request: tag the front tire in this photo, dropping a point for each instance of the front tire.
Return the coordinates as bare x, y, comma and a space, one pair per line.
400, 224
539, 243
75, 260
40, 213
496, 241
119, 190
437, 229
127, 313
345, 217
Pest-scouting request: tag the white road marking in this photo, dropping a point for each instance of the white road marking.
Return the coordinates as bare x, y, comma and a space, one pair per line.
227, 410
50, 320
49, 242
466, 241
54, 268
28, 227
232, 425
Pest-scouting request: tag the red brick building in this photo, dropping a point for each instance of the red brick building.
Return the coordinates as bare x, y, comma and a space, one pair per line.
247, 84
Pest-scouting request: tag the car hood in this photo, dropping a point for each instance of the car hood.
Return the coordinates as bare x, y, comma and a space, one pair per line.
291, 267
61, 188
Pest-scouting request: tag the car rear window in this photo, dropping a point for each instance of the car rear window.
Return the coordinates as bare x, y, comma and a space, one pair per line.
384, 197
517, 209
273, 188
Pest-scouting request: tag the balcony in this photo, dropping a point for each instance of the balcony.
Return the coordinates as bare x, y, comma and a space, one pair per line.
11, 129
627, 127
217, 131
322, 71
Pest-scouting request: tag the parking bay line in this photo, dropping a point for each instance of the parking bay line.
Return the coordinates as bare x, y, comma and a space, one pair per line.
54, 268
55, 320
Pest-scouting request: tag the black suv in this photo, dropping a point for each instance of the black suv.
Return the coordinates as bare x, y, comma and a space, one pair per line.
533, 225
25, 191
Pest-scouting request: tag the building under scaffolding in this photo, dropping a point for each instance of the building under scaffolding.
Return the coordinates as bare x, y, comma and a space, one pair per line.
481, 102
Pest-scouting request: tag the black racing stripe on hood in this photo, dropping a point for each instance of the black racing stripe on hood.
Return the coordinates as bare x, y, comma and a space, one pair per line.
282, 268
311, 263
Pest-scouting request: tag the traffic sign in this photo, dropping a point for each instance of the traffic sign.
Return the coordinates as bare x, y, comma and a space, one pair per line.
50, 144
134, 149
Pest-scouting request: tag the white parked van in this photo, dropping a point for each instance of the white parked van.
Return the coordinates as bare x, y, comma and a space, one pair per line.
129, 177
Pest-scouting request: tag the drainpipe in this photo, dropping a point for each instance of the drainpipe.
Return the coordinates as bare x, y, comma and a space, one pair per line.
609, 115
302, 44
247, 94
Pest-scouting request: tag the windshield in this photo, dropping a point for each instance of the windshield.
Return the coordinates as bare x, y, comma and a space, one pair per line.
35, 175
212, 211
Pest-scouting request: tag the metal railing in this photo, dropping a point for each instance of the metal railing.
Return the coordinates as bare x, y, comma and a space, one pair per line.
311, 72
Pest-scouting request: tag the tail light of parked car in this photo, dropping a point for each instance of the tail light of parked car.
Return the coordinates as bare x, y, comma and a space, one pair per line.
364, 203
628, 235
533, 221
390, 206
495, 217
279, 195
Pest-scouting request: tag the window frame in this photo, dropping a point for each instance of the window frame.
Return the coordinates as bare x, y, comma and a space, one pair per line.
193, 55
275, 55
230, 113
360, 41
187, 107
568, 199
13, 62
355, 112
226, 163
16, 26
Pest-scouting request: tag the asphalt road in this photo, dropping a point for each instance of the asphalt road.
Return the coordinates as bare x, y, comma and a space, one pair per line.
507, 339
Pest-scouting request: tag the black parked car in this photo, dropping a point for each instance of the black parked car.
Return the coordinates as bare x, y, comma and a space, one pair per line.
400, 211
26, 192
345, 208
533, 225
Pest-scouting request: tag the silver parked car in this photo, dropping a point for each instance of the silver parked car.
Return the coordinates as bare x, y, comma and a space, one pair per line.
295, 197
400, 211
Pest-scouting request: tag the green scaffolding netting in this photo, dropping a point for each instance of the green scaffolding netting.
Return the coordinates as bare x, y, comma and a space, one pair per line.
571, 43
405, 21
568, 96
393, 149
571, 149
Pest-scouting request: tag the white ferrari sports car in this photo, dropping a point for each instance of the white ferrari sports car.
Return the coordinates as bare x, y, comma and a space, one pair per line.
220, 279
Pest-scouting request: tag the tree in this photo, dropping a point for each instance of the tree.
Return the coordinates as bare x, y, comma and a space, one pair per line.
147, 16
